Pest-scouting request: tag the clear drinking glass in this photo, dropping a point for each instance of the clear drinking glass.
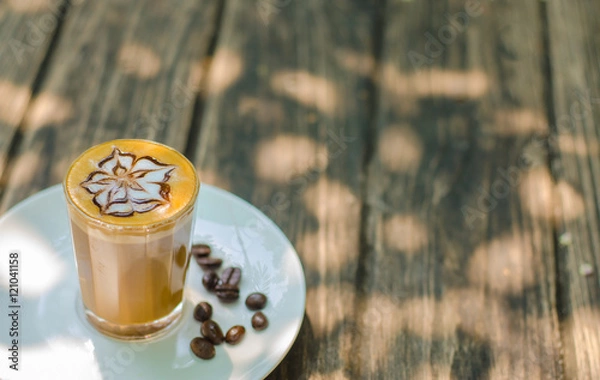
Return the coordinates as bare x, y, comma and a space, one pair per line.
131, 206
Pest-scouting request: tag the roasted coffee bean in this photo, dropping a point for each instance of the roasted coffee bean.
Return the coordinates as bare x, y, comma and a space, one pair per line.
256, 301
200, 250
202, 348
235, 334
203, 312
210, 280
231, 276
227, 293
212, 331
209, 263
259, 321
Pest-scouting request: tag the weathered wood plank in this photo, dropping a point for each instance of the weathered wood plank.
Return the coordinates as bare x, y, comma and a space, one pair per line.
121, 69
26, 31
459, 262
285, 128
575, 53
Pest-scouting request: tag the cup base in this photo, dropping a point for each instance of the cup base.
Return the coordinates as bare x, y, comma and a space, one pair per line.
135, 332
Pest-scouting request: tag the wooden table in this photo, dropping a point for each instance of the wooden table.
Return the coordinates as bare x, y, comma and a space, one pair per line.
436, 164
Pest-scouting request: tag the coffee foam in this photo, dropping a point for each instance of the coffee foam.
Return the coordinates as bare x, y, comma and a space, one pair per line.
125, 184
131, 183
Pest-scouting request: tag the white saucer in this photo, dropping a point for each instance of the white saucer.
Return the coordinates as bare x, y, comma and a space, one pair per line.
55, 342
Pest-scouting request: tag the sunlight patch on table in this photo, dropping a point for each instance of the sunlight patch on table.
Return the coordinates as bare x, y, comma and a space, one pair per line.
25, 169
13, 102
400, 148
505, 264
582, 326
284, 157
31, 6
519, 122
226, 67
578, 145
138, 60
358, 63
537, 193
542, 198
382, 319
481, 315
47, 109
434, 83
307, 89
451, 83
332, 202
329, 306
571, 202
405, 233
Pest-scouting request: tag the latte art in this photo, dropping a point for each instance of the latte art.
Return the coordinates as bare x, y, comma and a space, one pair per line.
125, 184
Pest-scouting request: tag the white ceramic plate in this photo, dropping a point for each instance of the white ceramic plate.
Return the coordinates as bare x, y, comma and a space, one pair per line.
55, 341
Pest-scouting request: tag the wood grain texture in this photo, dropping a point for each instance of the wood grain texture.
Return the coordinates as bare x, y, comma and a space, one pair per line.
120, 69
27, 29
459, 269
575, 51
288, 134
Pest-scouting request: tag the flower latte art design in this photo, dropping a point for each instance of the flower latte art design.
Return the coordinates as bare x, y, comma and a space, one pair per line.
125, 184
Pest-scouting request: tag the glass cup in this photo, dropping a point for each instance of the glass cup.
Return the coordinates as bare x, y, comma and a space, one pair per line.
131, 206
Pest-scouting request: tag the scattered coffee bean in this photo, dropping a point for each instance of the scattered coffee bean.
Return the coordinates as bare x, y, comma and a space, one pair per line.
212, 331
200, 250
210, 280
203, 311
202, 348
235, 334
227, 289
256, 301
231, 276
227, 293
209, 263
259, 321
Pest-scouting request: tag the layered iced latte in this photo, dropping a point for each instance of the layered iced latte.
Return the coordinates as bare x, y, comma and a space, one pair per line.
131, 207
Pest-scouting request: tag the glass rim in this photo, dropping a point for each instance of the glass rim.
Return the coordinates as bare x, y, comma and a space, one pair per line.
98, 222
